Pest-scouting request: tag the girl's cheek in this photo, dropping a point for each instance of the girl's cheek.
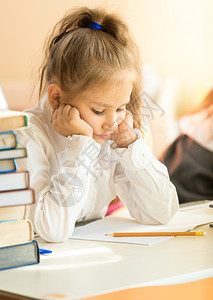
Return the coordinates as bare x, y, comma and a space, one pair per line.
121, 118
91, 120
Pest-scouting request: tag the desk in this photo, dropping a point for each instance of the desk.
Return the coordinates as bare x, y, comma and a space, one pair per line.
84, 268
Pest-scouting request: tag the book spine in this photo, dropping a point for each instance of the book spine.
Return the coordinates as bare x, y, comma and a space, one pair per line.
26, 121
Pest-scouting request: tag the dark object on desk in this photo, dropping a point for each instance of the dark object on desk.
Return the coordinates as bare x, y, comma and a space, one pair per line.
190, 168
19, 255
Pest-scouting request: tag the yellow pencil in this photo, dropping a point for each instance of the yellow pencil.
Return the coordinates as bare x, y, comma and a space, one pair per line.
185, 233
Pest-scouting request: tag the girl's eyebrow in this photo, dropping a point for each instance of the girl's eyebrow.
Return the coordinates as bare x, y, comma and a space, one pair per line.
105, 104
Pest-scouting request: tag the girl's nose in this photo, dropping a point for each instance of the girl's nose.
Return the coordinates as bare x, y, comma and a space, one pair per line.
110, 123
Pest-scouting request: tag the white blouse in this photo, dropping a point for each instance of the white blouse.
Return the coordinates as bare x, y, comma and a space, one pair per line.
76, 178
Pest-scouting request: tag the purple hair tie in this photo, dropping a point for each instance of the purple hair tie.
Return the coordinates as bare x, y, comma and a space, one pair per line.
95, 25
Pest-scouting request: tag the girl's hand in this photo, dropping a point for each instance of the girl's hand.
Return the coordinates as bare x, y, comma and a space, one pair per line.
66, 121
125, 134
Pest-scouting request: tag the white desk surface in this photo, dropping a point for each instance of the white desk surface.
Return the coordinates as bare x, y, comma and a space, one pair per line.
80, 268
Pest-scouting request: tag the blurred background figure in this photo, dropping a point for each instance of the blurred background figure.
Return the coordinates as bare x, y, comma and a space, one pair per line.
189, 158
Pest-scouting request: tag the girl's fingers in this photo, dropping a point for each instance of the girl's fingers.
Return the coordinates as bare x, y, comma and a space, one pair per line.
129, 118
127, 123
60, 109
54, 114
61, 112
74, 113
66, 110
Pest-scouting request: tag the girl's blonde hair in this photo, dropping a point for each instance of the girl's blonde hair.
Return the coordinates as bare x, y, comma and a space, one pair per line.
78, 57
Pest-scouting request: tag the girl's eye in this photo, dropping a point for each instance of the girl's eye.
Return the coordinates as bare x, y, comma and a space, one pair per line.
97, 112
121, 109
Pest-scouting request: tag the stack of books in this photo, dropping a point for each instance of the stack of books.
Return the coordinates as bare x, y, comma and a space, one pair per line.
17, 244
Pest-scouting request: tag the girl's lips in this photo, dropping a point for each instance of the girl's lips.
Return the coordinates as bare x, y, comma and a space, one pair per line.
103, 136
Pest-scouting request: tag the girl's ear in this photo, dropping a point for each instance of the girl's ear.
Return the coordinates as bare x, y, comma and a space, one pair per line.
54, 95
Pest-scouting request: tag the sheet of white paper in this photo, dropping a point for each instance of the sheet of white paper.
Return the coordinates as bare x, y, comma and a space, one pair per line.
183, 221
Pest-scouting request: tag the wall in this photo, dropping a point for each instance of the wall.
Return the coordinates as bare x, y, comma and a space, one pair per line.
175, 37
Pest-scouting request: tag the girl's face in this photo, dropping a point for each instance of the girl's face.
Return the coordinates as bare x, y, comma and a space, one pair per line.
103, 106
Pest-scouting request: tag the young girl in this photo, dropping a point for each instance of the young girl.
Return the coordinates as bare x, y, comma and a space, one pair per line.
84, 143
190, 157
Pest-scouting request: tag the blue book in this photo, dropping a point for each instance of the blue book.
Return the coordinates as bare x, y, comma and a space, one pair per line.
19, 255
8, 165
8, 140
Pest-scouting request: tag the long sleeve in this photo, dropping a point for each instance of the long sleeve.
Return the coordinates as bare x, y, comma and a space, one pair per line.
143, 184
75, 179
60, 182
